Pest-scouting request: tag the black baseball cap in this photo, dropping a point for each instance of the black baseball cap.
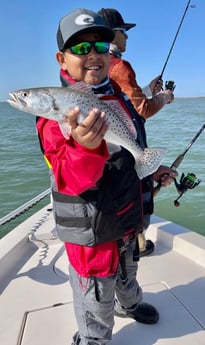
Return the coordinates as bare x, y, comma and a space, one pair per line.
81, 21
114, 19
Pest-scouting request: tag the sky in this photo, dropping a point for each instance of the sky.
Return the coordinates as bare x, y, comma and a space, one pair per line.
28, 42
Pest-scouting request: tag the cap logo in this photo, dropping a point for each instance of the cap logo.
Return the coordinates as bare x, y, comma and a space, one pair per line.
84, 19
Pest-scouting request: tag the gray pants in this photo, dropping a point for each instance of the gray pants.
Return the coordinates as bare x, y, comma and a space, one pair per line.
95, 299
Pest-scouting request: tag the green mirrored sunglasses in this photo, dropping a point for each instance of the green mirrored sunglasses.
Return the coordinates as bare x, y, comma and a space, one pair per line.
84, 48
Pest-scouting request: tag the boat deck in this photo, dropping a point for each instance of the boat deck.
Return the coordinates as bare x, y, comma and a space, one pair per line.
36, 299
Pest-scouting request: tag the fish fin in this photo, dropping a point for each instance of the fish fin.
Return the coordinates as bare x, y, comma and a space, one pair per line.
110, 101
65, 129
150, 161
80, 86
117, 108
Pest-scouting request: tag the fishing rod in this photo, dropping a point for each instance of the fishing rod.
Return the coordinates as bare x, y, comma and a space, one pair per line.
186, 182
170, 84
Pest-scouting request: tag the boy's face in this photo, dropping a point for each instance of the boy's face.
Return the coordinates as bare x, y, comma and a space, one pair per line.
91, 68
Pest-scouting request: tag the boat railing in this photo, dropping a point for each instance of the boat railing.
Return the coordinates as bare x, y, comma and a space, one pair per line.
20, 210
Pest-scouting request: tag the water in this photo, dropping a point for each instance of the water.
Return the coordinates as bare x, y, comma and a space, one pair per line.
174, 127
24, 174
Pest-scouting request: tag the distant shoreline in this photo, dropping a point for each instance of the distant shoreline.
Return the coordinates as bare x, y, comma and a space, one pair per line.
176, 97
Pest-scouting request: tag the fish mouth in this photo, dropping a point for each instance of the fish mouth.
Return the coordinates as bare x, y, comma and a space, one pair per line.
15, 100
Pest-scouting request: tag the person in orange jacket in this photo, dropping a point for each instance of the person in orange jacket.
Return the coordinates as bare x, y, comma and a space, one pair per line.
147, 101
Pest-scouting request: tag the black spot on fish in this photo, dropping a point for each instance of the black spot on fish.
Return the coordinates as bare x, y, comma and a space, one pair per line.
55, 106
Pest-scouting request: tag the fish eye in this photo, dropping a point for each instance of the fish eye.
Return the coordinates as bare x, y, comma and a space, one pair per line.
25, 93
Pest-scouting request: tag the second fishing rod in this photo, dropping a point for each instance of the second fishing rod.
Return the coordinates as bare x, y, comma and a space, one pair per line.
170, 84
186, 182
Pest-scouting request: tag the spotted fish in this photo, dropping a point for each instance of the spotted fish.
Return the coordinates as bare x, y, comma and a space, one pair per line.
54, 103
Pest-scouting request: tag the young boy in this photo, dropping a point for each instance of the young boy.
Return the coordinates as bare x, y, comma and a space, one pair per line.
96, 191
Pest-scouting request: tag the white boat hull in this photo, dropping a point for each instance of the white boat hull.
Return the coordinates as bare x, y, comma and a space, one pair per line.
36, 297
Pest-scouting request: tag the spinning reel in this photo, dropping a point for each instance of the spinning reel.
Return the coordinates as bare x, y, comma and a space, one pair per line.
170, 85
190, 181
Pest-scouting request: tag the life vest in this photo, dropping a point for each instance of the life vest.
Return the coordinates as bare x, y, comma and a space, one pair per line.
106, 213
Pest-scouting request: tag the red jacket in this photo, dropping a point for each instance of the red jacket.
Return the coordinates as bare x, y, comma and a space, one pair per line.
67, 157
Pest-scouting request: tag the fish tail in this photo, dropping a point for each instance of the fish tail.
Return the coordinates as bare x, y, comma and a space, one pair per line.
150, 161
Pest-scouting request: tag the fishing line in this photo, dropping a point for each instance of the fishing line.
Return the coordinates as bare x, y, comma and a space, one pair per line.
173, 43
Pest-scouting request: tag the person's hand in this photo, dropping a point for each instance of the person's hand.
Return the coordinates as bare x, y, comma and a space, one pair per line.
164, 175
156, 85
169, 95
90, 132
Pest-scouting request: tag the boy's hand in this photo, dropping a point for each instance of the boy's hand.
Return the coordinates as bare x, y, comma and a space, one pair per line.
91, 131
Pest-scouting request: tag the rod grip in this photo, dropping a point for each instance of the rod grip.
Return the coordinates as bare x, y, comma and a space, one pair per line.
177, 162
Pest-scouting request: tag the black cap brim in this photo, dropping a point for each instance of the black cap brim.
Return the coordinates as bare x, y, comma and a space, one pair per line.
128, 26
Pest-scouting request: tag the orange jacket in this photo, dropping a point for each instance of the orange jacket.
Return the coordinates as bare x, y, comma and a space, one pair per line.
122, 72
